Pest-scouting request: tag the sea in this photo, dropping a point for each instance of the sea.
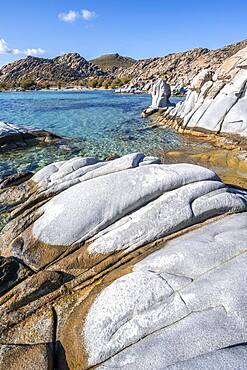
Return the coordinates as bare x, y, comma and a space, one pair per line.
92, 123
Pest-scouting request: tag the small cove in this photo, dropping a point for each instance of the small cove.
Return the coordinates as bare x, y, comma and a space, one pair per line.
95, 123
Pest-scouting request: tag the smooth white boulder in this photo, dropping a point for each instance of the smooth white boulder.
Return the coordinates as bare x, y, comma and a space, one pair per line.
90, 206
161, 93
185, 300
172, 211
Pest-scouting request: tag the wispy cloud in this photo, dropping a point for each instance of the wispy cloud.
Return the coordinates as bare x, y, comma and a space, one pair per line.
72, 15
5, 49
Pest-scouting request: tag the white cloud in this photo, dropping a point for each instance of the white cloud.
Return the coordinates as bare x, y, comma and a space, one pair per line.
69, 17
87, 15
34, 51
4, 49
72, 15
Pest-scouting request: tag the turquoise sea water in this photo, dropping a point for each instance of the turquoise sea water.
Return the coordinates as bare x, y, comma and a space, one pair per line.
97, 123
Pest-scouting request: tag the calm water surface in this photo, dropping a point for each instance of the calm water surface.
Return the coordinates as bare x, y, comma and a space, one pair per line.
97, 123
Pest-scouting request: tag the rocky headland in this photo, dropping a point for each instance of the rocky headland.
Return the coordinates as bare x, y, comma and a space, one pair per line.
178, 69
124, 263
67, 68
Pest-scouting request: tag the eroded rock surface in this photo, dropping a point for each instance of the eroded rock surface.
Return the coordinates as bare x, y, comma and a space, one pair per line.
129, 263
217, 101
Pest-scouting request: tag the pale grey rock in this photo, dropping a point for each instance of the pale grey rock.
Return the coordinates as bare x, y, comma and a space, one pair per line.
192, 254
105, 199
82, 169
178, 305
224, 359
150, 160
161, 93
200, 79
185, 300
194, 335
172, 211
217, 102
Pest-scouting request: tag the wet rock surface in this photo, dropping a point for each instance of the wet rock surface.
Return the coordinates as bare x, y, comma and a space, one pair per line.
13, 136
124, 263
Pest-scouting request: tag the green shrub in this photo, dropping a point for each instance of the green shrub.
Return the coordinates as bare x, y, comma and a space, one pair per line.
27, 84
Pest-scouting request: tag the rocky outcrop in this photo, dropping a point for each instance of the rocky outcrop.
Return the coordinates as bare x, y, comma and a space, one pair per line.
13, 136
217, 102
161, 92
178, 69
131, 261
66, 68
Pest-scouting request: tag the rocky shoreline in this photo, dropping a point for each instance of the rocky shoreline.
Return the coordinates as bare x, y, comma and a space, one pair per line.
214, 109
131, 262
119, 257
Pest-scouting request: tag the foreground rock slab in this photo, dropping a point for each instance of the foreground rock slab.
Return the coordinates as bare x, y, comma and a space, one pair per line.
124, 263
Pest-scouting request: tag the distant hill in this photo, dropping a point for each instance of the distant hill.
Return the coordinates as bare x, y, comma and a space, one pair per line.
66, 68
176, 68
180, 67
112, 62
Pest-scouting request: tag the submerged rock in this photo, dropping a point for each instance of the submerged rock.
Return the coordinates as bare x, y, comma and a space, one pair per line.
133, 261
13, 136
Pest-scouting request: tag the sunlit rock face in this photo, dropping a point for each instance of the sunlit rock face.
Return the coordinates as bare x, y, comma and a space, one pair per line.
161, 93
217, 101
136, 263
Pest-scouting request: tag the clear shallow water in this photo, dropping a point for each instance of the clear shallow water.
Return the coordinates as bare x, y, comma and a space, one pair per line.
97, 123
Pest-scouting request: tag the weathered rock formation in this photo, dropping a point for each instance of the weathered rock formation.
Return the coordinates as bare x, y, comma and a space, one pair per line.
217, 102
161, 92
179, 68
13, 136
124, 263
67, 68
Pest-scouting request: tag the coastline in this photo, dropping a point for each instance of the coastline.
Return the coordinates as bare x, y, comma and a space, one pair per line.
229, 156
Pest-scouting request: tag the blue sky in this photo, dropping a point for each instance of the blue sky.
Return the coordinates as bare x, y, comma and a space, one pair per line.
137, 28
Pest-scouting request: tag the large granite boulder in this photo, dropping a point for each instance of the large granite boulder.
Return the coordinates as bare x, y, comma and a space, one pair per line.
136, 263
217, 101
161, 93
